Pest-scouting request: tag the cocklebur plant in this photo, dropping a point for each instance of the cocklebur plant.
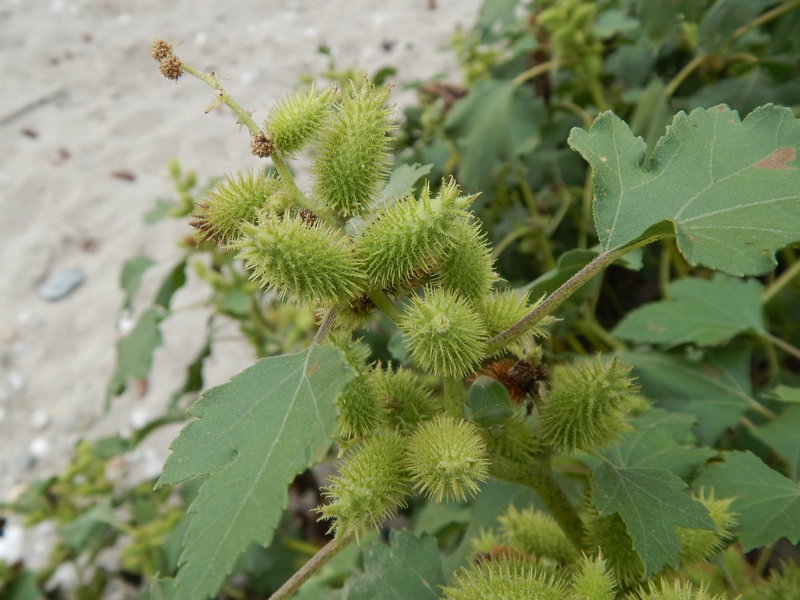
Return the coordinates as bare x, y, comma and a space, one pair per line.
364, 241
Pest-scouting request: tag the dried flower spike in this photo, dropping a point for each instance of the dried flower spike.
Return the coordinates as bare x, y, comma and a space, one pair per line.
170, 67
160, 49
261, 146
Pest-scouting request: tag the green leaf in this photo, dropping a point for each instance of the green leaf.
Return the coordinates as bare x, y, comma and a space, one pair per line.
194, 370
158, 212
162, 589
489, 402
652, 502
767, 503
402, 179
135, 352
85, 532
726, 16
131, 277
495, 122
253, 435
171, 284
785, 393
23, 586
409, 567
658, 441
707, 313
716, 390
729, 189
783, 436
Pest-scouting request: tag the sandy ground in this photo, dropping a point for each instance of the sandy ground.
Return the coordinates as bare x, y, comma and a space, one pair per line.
81, 101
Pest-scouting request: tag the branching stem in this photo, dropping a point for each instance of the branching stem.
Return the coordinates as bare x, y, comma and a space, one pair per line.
385, 304
327, 552
554, 300
326, 326
538, 474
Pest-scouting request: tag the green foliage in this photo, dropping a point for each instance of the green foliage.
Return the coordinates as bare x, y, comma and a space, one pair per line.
728, 188
409, 567
594, 503
707, 313
251, 438
766, 504
652, 503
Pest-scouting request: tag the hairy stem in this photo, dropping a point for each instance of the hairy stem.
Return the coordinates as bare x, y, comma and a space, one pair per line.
539, 69
454, 396
785, 346
326, 326
385, 304
554, 300
687, 70
781, 282
223, 97
766, 18
327, 552
538, 474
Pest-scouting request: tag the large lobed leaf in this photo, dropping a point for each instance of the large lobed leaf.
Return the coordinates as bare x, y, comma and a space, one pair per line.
651, 502
253, 436
729, 189
767, 504
705, 312
782, 436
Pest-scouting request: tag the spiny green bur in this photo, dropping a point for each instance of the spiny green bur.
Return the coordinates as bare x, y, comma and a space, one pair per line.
443, 333
586, 406
410, 236
467, 269
370, 487
406, 400
535, 533
446, 459
301, 262
505, 578
352, 152
234, 202
295, 120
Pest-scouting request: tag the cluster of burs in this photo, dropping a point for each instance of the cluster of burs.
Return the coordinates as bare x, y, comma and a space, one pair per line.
349, 247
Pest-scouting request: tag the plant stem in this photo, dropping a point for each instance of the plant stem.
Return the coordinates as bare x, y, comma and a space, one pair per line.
327, 552
780, 282
454, 396
224, 97
589, 322
554, 300
538, 474
664, 261
765, 18
510, 238
785, 346
325, 327
245, 118
385, 304
687, 70
539, 69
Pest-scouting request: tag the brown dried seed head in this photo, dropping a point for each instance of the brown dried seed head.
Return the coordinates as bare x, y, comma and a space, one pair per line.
261, 146
307, 217
170, 67
160, 49
519, 377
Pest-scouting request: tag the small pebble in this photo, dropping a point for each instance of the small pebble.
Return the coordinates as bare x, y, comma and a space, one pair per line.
61, 284
16, 381
139, 418
40, 419
11, 543
39, 447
